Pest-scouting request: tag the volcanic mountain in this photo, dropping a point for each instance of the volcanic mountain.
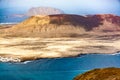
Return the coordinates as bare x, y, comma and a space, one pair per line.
37, 11
62, 25
43, 11
101, 74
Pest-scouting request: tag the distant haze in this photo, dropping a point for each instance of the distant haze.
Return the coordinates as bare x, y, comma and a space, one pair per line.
43, 11
68, 6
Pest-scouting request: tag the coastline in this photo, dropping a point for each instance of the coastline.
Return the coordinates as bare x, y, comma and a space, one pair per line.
25, 60
18, 49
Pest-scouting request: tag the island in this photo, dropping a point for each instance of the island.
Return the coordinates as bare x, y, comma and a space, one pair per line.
59, 35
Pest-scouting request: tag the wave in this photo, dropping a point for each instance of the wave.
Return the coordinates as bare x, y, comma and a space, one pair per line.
118, 53
26, 62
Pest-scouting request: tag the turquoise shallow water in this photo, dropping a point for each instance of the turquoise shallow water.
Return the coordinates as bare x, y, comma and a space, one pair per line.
57, 69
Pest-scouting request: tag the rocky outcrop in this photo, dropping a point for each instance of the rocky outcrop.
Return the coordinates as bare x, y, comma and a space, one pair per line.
109, 22
43, 11
65, 25
100, 74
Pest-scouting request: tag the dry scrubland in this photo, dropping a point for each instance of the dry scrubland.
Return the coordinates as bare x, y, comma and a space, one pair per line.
100, 74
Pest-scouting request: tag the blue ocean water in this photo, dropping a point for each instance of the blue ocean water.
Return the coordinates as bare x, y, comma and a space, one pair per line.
58, 68
5, 19
6, 15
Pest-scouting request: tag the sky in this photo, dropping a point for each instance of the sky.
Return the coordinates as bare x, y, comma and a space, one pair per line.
68, 6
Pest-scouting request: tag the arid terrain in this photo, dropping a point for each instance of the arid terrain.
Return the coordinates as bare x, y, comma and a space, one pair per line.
34, 48
60, 36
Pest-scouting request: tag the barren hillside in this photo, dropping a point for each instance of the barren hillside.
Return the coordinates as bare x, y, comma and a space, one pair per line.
65, 25
101, 74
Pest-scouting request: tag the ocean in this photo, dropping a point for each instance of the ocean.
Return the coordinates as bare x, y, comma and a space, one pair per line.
10, 20
57, 68
7, 15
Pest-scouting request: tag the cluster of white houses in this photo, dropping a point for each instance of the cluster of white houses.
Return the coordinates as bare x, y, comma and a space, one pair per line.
9, 59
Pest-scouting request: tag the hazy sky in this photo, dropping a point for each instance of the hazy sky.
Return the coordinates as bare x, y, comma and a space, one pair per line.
68, 6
